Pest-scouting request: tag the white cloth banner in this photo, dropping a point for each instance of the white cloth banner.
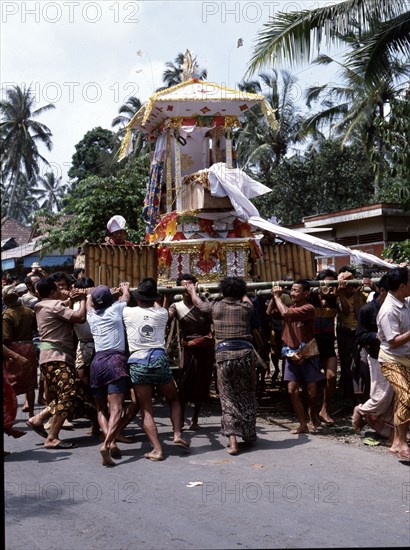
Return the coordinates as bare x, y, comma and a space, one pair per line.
318, 246
238, 186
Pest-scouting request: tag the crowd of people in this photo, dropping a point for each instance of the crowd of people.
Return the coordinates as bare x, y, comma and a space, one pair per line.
102, 354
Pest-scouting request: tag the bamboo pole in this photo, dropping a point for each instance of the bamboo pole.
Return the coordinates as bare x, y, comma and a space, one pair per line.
122, 274
263, 285
128, 264
263, 263
277, 261
283, 264
103, 266
289, 260
87, 260
151, 262
136, 275
257, 269
296, 271
108, 266
142, 263
115, 267
272, 266
309, 264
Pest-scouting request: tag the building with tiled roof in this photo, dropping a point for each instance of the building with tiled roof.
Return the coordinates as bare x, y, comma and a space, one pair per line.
12, 229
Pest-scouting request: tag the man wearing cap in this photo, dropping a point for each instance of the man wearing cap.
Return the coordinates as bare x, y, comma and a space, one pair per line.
109, 378
69, 400
36, 269
149, 365
116, 227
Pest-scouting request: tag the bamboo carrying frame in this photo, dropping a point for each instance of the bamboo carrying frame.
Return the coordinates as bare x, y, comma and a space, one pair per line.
109, 264
283, 260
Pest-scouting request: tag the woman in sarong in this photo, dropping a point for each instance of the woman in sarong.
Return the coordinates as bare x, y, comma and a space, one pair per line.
198, 351
19, 327
235, 359
9, 395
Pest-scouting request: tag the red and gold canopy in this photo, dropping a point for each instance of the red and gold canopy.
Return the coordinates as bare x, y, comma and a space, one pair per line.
190, 101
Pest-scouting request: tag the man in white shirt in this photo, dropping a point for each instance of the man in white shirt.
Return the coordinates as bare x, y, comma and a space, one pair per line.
393, 321
149, 366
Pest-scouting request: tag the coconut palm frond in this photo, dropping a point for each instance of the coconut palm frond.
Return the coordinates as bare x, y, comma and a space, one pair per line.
292, 37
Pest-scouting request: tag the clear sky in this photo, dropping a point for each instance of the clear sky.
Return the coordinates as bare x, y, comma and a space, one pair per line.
88, 57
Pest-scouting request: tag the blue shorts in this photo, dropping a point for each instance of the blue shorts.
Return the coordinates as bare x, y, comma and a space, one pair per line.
308, 372
121, 385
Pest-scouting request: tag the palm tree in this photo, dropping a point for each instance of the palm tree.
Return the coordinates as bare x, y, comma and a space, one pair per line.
356, 109
173, 73
51, 193
20, 135
126, 114
258, 145
24, 203
292, 37
127, 111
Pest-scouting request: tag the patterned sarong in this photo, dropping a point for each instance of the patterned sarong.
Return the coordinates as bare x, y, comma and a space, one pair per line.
237, 391
22, 379
69, 398
155, 373
9, 403
399, 377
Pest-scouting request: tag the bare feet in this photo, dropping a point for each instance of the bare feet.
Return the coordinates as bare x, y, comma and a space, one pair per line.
300, 430
232, 445
325, 417
357, 420
232, 450
313, 426
106, 459
57, 444
181, 442
314, 421
154, 455
115, 451
194, 426
124, 439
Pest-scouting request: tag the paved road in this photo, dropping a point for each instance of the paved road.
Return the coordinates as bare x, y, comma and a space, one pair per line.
288, 492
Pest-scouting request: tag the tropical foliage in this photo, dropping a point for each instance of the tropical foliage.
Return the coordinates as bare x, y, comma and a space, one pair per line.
398, 252
51, 193
126, 114
293, 37
173, 73
20, 137
95, 155
260, 148
373, 75
326, 180
95, 200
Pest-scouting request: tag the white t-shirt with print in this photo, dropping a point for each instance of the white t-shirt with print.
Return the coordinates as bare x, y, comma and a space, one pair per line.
145, 329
